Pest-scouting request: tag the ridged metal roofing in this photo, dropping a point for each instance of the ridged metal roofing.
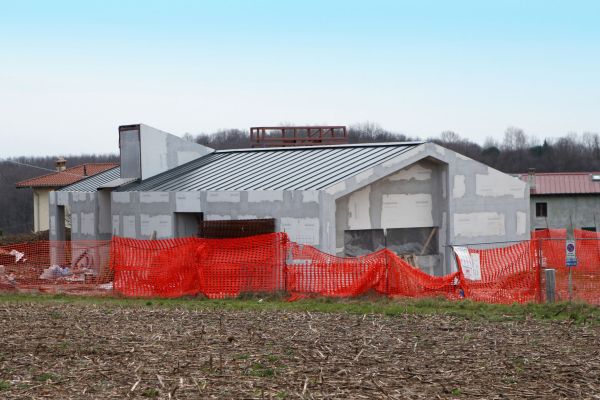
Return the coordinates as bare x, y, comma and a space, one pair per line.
292, 168
93, 182
565, 183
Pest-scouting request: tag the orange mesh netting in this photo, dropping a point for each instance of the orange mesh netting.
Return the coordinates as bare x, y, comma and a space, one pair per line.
311, 271
163, 268
52, 266
246, 265
269, 263
408, 281
216, 268
508, 274
585, 276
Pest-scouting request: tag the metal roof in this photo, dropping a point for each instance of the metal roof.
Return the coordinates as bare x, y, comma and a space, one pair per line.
68, 176
93, 182
287, 168
555, 183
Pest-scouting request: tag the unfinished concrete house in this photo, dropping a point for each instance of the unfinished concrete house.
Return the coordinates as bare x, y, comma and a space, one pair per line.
415, 198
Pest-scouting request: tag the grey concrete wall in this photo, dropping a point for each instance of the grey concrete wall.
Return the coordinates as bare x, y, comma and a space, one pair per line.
83, 210
147, 151
567, 211
410, 198
484, 205
130, 152
139, 214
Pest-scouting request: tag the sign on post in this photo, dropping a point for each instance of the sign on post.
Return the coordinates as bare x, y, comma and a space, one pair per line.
470, 263
571, 257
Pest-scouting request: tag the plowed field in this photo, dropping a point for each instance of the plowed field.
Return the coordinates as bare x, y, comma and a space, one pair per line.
53, 350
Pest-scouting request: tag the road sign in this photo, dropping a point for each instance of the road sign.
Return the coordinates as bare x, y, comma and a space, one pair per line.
571, 256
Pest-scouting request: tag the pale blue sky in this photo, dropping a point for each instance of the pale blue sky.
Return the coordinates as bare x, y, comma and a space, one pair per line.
72, 71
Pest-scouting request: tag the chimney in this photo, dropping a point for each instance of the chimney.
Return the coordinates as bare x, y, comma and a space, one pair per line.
531, 180
61, 164
84, 170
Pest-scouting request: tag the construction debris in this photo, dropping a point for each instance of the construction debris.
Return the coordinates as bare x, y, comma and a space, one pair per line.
54, 272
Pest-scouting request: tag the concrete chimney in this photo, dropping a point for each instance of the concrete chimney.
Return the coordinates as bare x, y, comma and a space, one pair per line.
61, 164
146, 151
531, 180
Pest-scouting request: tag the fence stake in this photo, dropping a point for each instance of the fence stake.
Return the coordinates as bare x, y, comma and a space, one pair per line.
550, 285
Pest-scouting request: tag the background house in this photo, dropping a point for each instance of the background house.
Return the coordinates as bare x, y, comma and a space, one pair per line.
568, 200
43, 185
413, 197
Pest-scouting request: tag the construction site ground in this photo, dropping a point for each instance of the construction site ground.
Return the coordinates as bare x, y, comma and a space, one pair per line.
81, 347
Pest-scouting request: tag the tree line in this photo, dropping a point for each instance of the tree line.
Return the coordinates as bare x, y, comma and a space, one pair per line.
514, 152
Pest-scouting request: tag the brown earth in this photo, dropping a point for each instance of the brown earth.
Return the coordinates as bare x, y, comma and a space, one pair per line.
96, 351
30, 237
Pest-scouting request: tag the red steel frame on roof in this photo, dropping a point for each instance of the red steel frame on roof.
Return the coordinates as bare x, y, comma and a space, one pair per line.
280, 136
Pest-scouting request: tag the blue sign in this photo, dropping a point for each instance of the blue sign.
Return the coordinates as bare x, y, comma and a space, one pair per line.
571, 257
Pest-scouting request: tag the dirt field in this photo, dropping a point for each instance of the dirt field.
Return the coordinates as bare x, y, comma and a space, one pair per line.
79, 350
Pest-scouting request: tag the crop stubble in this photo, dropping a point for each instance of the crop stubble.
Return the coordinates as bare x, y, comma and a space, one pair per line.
97, 351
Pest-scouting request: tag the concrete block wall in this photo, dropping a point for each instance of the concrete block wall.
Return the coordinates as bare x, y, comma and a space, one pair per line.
484, 205
409, 198
566, 211
147, 151
82, 209
139, 214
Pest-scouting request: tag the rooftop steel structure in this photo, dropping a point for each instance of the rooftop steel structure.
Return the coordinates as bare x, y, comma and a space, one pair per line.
281, 136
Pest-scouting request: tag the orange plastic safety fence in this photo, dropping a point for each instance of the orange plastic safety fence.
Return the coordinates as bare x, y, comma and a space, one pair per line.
509, 274
49, 266
252, 264
163, 268
216, 268
311, 271
219, 268
585, 276
408, 281
582, 281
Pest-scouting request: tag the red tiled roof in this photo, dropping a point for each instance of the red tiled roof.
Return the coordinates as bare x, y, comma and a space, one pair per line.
66, 177
564, 183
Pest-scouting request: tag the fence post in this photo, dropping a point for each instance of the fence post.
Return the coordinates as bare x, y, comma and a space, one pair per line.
539, 270
387, 273
550, 285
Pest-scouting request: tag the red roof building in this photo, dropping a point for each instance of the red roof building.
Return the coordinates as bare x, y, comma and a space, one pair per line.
557, 183
43, 185
564, 200
66, 177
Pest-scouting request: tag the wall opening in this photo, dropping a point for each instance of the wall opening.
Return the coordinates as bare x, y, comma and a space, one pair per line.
222, 229
363, 241
402, 241
541, 209
187, 224
63, 223
104, 212
413, 241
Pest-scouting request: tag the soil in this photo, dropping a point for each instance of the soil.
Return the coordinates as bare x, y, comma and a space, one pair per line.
31, 237
52, 350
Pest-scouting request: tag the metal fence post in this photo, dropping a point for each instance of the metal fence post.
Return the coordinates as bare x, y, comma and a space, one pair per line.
550, 285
